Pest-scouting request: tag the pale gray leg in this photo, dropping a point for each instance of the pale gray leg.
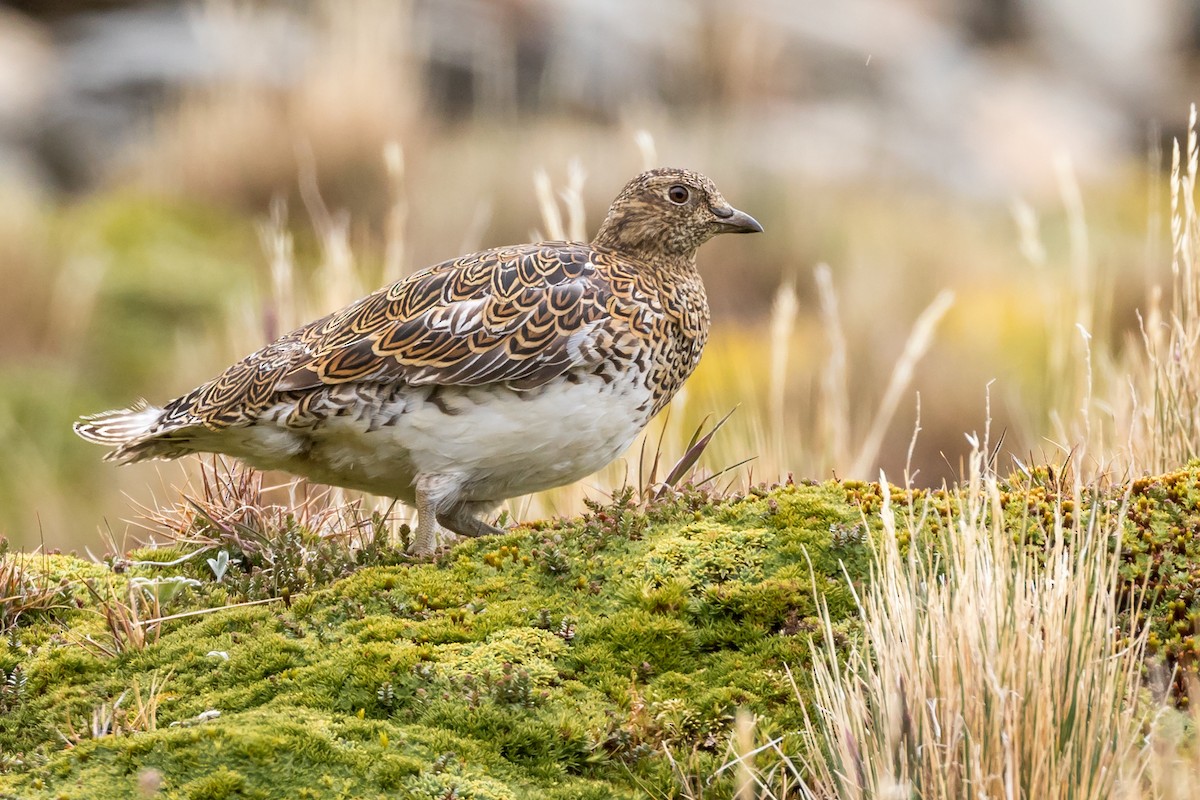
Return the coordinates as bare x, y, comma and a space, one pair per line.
431, 490
463, 519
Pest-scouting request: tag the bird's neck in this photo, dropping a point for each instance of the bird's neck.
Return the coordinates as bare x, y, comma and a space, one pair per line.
641, 237
663, 260
663, 270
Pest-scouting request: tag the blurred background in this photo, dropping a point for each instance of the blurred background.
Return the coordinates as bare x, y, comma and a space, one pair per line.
984, 181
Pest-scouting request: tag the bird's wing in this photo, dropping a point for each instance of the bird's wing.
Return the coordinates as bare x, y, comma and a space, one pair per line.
519, 316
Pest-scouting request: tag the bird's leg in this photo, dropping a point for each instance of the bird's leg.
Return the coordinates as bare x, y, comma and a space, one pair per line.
460, 519
425, 538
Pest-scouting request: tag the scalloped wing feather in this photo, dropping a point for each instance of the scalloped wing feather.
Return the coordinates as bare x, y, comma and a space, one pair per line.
521, 316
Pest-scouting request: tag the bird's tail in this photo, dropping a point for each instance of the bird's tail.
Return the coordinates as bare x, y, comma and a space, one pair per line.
129, 430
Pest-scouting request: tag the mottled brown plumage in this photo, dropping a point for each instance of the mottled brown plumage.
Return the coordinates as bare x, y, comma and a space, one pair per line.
450, 387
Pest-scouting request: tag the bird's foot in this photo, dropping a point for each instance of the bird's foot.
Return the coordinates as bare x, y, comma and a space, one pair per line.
460, 520
425, 539
434, 508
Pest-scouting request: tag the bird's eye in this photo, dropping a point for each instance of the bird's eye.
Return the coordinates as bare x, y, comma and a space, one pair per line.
678, 194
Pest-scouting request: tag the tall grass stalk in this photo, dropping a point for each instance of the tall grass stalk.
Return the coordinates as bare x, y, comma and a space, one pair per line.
395, 257
783, 326
1165, 382
574, 228
1072, 308
834, 417
984, 668
915, 348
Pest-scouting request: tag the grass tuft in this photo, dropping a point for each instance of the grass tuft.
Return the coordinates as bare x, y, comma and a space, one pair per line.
988, 666
25, 589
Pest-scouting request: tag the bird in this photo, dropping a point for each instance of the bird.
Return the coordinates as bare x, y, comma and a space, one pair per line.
489, 376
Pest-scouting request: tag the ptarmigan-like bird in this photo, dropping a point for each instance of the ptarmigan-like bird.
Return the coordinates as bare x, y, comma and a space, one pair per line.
493, 375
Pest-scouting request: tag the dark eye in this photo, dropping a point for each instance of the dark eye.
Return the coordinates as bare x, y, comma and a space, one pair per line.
678, 194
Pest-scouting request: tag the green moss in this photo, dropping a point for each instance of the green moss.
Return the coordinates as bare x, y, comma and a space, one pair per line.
532, 650
439, 785
502, 655
704, 554
554, 662
221, 784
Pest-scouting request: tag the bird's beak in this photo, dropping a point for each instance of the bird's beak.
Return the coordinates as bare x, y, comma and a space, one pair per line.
730, 220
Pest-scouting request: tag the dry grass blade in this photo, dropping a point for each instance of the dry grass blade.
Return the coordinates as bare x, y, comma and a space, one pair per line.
902, 374
131, 712
205, 611
783, 325
551, 216
125, 616
646, 147
695, 448
575, 227
647, 478
341, 280
835, 392
395, 254
144, 714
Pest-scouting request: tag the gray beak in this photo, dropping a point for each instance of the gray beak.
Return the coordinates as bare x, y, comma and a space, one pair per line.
730, 220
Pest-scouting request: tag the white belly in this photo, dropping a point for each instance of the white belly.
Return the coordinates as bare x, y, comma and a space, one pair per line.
495, 442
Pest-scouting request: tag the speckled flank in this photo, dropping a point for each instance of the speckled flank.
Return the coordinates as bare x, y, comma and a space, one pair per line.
501, 372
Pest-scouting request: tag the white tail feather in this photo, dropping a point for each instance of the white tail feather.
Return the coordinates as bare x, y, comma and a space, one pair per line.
119, 426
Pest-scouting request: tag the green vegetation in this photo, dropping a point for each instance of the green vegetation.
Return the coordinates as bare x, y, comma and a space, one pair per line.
564, 659
554, 661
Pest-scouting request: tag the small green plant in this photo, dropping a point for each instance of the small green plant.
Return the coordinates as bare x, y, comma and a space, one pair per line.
512, 686
12, 688
551, 557
386, 695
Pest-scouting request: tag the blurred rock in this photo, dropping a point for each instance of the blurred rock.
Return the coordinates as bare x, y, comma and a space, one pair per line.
57, 9
25, 83
119, 65
977, 96
117, 68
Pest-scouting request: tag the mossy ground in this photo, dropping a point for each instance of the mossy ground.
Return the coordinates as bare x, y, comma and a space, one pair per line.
556, 661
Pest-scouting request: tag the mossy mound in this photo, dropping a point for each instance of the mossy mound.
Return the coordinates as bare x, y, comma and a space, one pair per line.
555, 661
558, 661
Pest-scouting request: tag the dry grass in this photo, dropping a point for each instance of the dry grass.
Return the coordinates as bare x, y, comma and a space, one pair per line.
983, 669
131, 613
1125, 407
227, 504
1164, 411
24, 590
133, 711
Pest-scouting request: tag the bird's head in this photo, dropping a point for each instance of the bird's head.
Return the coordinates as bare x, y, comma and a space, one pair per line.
669, 212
